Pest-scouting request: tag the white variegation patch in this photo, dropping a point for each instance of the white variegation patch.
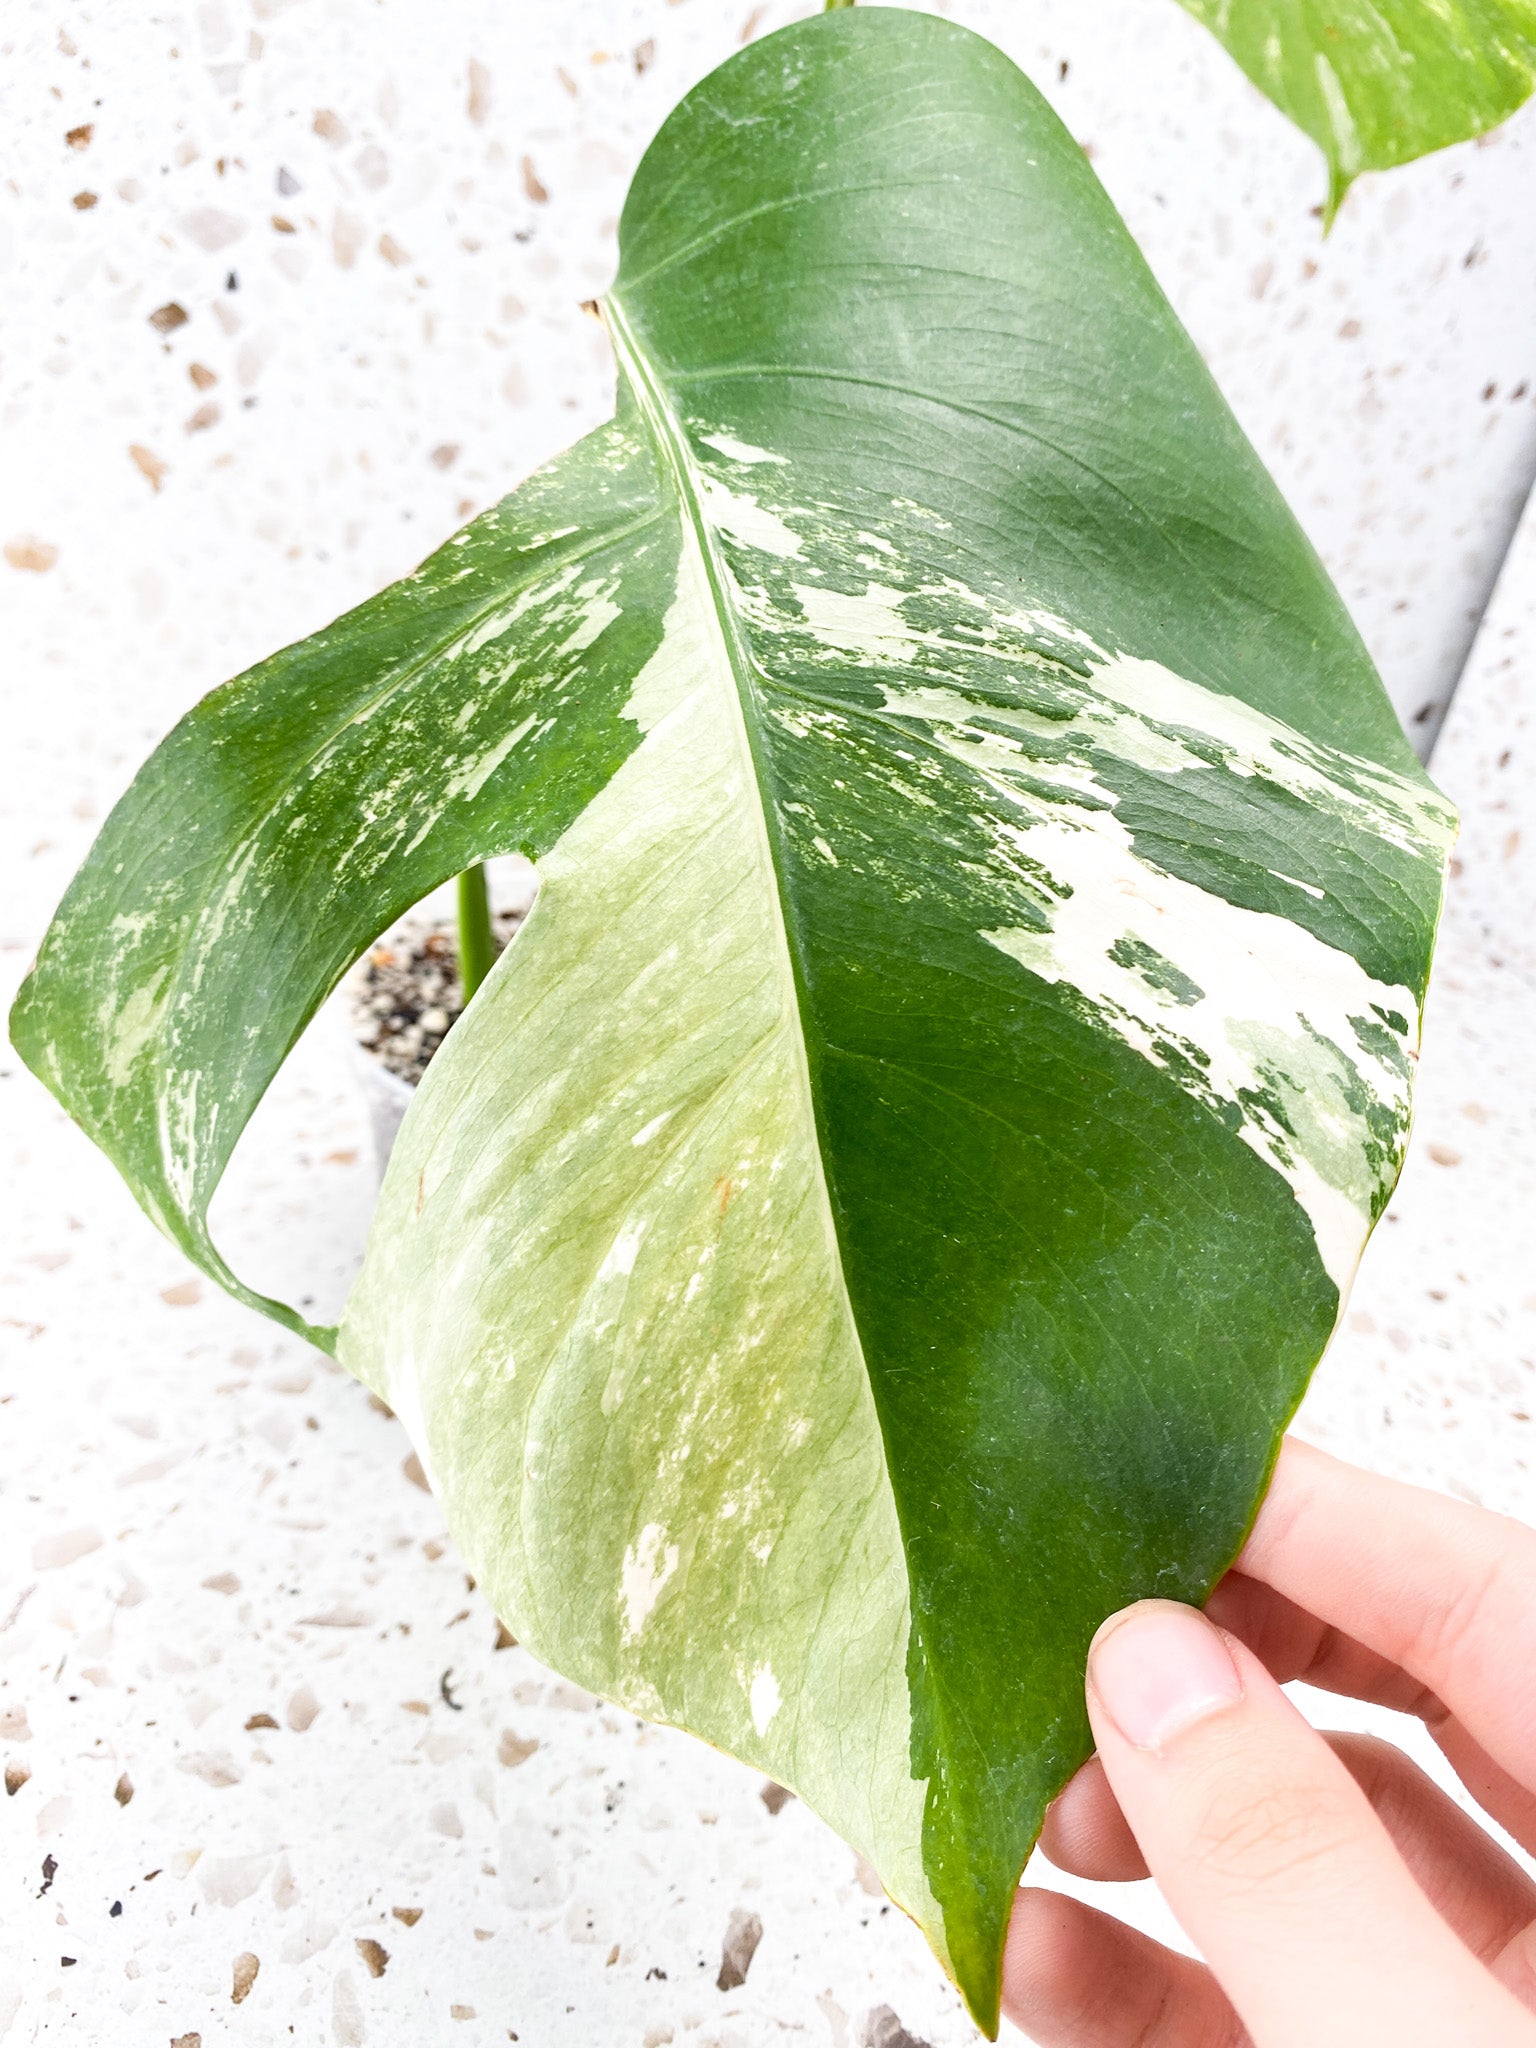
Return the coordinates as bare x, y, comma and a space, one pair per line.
866, 623
1274, 1024
131, 1027
649, 1564
752, 525
739, 451
1312, 1052
765, 1698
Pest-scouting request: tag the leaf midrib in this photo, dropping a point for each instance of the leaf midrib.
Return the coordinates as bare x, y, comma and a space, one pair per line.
671, 444
667, 433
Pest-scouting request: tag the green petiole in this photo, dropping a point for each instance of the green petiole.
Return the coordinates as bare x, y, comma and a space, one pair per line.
477, 948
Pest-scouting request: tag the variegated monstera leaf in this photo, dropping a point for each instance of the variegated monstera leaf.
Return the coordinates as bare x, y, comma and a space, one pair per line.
1380, 82
880, 1213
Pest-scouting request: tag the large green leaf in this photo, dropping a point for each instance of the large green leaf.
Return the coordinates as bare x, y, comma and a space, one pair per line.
879, 1215
1380, 82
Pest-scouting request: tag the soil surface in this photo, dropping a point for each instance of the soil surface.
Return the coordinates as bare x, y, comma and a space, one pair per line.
407, 996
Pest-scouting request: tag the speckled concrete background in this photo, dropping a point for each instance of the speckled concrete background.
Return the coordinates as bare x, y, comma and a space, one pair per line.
270, 1778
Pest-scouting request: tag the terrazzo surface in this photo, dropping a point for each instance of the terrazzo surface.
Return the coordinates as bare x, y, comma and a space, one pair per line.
270, 1777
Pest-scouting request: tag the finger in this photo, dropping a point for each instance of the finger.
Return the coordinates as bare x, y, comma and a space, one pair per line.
1074, 1978
1496, 1792
1269, 1853
1293, 1644
1515, 1968
1484, 1895
1439, 1588
1086, 1833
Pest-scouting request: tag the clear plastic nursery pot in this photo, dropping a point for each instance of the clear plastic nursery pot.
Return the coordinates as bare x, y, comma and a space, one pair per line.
881, 1213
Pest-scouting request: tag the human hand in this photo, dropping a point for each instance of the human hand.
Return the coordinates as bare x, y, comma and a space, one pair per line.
1341, 1899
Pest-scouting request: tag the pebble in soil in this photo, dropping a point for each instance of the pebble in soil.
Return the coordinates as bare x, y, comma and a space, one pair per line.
407, 995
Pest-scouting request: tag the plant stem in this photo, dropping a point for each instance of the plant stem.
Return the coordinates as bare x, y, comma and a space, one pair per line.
477, 948
836, 3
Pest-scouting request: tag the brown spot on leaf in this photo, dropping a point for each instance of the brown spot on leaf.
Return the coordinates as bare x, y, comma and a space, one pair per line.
532, 184
375, 1956
246, 1967
742, 1934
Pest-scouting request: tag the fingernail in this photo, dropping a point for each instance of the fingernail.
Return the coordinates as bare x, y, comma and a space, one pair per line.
1157, 1668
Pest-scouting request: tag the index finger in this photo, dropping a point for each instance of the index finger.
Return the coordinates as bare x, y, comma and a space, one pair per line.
1446, 1591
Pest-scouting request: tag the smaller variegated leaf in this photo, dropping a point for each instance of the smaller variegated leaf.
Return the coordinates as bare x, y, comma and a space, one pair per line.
1380, 82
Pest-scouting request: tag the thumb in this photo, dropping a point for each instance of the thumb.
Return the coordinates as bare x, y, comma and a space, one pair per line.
1270, 1854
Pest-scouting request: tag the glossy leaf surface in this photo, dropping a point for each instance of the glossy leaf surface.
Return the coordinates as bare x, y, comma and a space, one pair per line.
880, 1213
1380, 82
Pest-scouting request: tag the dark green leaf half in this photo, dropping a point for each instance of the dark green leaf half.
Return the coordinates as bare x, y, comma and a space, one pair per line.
1380, 82
879, 1215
